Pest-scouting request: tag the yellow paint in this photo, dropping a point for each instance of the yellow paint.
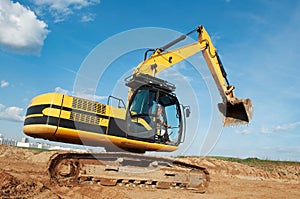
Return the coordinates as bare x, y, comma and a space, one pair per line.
164, 60
96, 139
117, 112
213, 64
40, 131
34, 115
48, 98
68, 101
89, 138
103, 122
51, 112
142, 122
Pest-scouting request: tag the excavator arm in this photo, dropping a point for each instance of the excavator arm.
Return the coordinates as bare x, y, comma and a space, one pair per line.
235, 111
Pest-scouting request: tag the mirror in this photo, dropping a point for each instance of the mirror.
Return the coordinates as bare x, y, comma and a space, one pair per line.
187, 112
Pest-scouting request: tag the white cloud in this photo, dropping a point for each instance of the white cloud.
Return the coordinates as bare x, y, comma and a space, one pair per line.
20, 30
88, 17
4, 84
83, 94
175, 75
61, 91
90, 96
244, 131
279, 128
11, 113
61, 9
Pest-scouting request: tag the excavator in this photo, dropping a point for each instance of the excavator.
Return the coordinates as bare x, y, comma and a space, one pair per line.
128, 131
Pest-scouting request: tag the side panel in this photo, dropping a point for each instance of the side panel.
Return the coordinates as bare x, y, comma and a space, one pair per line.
117, 127
67, 119
42, 117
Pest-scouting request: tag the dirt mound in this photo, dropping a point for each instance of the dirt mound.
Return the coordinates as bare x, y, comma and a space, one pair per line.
16, 153
265, 171
11, 187
23, 174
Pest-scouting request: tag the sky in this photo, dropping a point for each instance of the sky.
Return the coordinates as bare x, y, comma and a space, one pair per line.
46, 45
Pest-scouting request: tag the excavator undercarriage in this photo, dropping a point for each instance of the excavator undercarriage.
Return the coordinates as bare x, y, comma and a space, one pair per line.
119, 168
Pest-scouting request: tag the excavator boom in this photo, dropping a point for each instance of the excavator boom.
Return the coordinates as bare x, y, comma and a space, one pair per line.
235, 111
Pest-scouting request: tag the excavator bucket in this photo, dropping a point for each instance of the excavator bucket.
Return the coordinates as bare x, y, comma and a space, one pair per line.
237, 112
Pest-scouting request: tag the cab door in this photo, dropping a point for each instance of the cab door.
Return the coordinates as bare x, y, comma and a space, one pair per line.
141, 115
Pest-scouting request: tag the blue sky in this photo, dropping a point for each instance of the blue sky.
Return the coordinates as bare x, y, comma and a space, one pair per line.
43, 44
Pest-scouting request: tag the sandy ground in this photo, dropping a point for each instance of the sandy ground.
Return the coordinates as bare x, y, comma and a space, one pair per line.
23, 175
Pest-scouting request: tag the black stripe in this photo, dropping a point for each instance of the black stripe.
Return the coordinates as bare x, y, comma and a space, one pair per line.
41, 120
82, 126
117, 127
66, 124
39, 108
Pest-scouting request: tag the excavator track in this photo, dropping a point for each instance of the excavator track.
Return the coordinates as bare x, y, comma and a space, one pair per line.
118, 168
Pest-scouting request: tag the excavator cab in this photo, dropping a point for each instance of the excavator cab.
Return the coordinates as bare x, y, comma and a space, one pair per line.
154, 113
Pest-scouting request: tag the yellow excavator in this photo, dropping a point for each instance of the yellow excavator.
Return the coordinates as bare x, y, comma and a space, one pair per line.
152, 120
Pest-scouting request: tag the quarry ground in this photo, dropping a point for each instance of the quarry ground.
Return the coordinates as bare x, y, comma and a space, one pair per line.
23, 174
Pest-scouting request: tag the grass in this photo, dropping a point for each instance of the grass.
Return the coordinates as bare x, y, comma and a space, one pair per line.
254, 161
267, 165
35, 149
